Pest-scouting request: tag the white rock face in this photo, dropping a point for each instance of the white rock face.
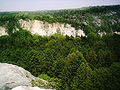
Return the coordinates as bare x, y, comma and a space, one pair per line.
101, 33
45, 28
97, 21
12, 76
2, 31
28, 88
118, 33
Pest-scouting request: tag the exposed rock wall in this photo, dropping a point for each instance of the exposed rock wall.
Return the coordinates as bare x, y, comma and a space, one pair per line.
2, 31
45, 28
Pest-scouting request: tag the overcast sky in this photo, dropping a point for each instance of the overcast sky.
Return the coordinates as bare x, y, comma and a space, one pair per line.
30, 5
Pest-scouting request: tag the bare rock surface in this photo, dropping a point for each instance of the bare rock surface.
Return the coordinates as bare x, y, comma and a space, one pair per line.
28, 88
2, 31
45, 28
12, 76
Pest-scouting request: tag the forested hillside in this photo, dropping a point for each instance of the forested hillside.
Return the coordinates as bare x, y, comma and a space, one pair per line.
91, 62
93, 19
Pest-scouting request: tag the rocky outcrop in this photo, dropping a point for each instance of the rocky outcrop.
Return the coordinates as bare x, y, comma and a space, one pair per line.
28, 88
45, 28
118, 33
12, 76
3, 31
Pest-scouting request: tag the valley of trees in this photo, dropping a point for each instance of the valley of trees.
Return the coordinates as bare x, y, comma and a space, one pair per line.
69, 63
85, 63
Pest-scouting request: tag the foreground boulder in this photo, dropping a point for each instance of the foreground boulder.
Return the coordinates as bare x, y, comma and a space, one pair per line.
12, 76
28, 88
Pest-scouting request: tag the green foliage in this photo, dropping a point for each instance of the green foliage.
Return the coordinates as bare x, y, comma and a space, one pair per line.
116, 27
51, 82
39, 83
91, 19
101, 79
87, 29
67, 63
82, 77
45, 77
106, 78
91, 58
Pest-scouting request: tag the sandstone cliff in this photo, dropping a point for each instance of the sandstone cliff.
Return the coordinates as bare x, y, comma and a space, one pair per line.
3, 31
45, 28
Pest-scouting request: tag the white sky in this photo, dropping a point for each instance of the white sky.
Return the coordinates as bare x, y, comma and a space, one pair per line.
30, 5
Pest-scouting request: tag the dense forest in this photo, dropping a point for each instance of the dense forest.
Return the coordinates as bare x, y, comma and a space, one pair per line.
68, 63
